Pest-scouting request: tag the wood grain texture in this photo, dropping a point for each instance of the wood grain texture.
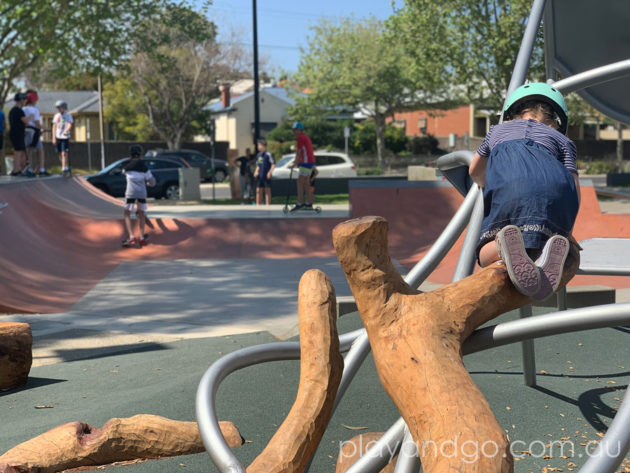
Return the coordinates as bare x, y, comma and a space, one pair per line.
355, 448
416, 340
321, 367
78, 444
16, 354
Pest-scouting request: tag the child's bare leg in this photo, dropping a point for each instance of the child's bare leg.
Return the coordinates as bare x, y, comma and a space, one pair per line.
258, 195
141, 222
268, 195
488, 254
42, 159
128, 225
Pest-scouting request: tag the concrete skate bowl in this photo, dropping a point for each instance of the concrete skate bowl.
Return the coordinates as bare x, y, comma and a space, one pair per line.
62, 236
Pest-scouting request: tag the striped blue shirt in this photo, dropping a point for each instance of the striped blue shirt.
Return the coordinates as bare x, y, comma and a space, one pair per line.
557, 144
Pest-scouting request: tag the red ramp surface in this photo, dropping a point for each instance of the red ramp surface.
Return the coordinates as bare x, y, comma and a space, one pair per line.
61, 236
417, 215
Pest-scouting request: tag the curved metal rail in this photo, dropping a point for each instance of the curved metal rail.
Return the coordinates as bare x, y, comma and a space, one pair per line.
618, 435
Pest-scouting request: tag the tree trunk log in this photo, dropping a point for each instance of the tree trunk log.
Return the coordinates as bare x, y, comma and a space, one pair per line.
77, 444
16, 354
320, 374
416, 340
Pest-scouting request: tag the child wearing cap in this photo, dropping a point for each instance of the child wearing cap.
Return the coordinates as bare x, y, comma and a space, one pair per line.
527, 169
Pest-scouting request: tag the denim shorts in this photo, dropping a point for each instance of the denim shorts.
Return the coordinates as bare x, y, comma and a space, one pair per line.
528, 187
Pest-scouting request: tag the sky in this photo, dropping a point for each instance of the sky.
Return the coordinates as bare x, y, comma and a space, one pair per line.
283, 25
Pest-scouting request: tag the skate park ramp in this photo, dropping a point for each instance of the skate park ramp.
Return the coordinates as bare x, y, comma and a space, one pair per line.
61, 237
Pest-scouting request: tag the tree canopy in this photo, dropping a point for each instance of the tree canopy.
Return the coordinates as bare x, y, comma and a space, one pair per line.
72, 35
176, 68
352, 64
479, 40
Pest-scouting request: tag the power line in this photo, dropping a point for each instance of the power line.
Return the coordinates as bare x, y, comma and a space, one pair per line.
273, 12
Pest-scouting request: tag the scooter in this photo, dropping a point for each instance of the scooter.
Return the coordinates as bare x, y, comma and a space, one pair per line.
286, 209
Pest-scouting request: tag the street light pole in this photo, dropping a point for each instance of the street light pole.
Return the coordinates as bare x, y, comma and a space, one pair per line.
256, 81
101, 121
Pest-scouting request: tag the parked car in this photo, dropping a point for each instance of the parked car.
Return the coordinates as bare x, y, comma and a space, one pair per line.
165, 169
329, 164
196, 159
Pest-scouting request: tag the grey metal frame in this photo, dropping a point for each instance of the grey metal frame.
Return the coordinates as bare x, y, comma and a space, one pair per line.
525, 329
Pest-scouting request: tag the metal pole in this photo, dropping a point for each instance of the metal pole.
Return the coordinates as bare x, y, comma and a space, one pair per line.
529, 352
214, 170
89, 146
527, 46
256, 80
100, 119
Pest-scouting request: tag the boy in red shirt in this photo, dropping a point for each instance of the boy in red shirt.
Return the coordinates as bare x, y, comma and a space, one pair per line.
305, 161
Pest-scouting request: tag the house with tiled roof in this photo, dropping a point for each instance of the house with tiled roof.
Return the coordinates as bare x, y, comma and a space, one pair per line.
234, 116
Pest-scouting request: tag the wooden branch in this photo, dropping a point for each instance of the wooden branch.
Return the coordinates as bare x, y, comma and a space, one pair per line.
416, 340
320, 374
78, 444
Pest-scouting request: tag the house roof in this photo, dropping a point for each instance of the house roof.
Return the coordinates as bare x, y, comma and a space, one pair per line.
77, 100
277, 92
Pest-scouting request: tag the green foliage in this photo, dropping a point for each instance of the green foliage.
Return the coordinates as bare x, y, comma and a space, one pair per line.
363, 139
351, 64
419, 145
477, 41
125, 110
72, 35
579, 110
176, 68
328, 134
281, 134
601, 167
395, 139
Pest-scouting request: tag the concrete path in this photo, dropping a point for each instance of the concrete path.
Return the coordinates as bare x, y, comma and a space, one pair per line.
160, 301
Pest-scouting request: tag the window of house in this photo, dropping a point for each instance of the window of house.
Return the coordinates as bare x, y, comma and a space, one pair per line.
480, 126
422, 126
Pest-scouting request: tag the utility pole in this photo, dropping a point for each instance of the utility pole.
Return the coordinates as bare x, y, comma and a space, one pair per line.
256, 81
100, 119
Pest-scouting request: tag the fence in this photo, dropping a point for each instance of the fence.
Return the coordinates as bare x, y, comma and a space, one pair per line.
88, 155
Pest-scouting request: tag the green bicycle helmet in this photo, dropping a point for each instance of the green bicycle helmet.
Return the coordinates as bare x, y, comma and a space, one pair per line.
543, 92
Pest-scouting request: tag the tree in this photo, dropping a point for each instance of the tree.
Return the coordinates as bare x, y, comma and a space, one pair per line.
177, 67
74, 35
479, 40
355, 64
125, 110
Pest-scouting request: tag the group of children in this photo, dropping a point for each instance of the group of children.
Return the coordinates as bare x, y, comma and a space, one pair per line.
26, 132
304, 161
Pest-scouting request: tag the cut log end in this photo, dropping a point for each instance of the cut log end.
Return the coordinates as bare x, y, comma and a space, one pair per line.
16, 354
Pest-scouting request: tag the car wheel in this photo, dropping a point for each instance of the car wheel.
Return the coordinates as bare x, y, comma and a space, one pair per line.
171, 191
219, 175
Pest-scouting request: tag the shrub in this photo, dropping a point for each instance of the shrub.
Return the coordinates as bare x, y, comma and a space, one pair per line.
601, 167
423, 145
